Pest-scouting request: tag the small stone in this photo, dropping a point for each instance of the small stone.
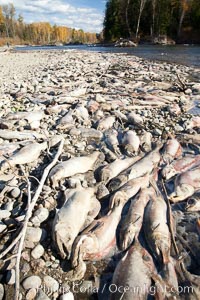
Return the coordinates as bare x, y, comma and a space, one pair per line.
40, 215
42, 296
31, 294
10, 277
51, 283
4, 214
1, 291
15, 193
2, 226
33, 234
9, 205
37, 252
31, 282
25, 268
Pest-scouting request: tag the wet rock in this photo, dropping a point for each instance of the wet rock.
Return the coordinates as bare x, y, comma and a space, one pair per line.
31, 282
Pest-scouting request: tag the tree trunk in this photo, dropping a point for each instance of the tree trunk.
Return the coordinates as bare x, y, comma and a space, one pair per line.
127, 21
142, 4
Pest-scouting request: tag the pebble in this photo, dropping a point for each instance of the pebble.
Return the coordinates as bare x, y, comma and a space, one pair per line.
1, 291
33, 234
32, 282
40, 215
51, 283
15, 193
37, 252
31, 294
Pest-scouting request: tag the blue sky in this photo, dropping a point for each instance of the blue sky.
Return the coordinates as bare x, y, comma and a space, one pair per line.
85, 14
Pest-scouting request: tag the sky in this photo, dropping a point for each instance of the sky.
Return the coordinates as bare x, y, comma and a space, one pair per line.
80, 14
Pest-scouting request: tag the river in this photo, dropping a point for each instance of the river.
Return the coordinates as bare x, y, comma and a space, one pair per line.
181, 54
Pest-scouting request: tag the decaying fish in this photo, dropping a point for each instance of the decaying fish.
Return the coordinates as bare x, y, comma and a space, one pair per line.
140, 168
172, 150
180, 165
132, 223
156, 228
88, 133
111, 141
135, 119
146, 141
116, 167
97, 241
129, 189
131, 142
67, 121
186, 184
106, 123
73, 166
27, 154
193, 204
25, 135
133, 275
194, 122
78, 211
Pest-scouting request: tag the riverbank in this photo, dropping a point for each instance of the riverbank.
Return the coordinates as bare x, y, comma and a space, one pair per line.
97, 102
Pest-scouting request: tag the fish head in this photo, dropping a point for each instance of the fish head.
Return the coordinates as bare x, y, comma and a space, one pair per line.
192, 204
182, 192
117, 182
127, 236
168, 172
119, 198
105, 175
162, 247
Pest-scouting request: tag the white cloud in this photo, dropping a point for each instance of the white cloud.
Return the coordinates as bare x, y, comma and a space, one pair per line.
59, 12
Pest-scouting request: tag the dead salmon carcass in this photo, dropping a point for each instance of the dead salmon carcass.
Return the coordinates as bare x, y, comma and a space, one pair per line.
132, 223
73, 166
156, 228
180, 165
140, 168
27, 154
194, 122
172, 150
78, 211
116, 167
111, 141
97, 241
130, 189
106, 123
132, 276
186, 184
131, 142
193, 204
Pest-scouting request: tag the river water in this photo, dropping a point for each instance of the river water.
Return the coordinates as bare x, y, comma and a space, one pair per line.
181, 54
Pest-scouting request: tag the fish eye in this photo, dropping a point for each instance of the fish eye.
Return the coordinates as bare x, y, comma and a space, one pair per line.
146, 257
191, 201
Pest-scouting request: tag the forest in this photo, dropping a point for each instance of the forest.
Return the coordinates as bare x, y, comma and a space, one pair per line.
14, 30
144, 20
